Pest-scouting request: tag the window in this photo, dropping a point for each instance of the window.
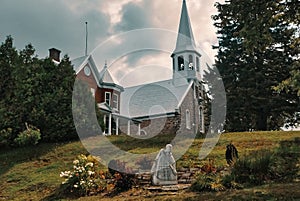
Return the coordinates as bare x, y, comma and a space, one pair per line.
107, 98
180, 63
197, 64
93, 91
200, 119
191, 62
173, 64
116, 101
188, 119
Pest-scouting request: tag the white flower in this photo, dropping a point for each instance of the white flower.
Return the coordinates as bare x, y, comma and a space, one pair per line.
89, 164
75, 186
90, 173
75, 162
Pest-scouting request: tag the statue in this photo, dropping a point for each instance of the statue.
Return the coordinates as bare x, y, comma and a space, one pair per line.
163, 170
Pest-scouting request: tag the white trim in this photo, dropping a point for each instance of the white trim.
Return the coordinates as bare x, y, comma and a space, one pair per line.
93, 91
184, 95
117, 126
109, 124
128, 127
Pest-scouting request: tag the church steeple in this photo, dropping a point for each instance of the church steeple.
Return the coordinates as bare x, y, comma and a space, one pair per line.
186, 56
185, 38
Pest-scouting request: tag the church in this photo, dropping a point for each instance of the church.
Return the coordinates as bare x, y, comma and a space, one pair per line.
133, 110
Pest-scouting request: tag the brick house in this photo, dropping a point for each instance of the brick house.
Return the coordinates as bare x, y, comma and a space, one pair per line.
167, 106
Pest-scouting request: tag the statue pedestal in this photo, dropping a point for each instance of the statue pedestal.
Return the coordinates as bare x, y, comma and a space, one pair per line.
159, 182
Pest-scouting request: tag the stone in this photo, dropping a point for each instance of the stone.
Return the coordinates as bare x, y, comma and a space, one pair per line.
163, 170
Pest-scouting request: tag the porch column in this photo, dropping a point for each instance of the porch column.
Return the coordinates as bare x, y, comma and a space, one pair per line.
117, 126
128, 127
139, 129
109, 124
104, 121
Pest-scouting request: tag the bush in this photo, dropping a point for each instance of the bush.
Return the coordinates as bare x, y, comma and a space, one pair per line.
30, 136
84, 179
123, 177
263, 166
5, 136
207, 182
253, 169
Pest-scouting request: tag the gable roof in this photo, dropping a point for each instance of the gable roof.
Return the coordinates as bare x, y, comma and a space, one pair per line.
158, 98
103, 79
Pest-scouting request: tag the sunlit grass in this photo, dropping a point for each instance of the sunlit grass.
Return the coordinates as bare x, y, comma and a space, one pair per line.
33, 172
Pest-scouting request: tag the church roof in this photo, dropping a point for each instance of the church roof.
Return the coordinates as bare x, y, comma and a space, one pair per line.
104, 78
158, 98
185, 38
77, 63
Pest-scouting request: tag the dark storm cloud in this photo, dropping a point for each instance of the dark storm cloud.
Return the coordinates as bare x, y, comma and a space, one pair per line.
48, 24
134, 16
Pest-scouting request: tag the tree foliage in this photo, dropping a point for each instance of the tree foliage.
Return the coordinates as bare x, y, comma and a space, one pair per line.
257, 52
37, 92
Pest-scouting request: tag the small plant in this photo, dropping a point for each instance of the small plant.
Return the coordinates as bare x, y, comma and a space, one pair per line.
84, 179
30, 136
207, 182
123, 177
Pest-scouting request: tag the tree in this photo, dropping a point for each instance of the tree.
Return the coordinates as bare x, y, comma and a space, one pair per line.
255, 53
37, 92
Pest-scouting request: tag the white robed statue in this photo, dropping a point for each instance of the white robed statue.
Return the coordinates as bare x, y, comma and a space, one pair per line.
163, 170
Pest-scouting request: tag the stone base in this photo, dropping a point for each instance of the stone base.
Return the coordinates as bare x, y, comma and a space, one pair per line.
159, 182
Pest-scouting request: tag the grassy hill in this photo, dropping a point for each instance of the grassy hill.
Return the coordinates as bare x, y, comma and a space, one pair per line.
33, 173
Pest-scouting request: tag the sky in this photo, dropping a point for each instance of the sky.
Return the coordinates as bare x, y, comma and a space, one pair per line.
61, 24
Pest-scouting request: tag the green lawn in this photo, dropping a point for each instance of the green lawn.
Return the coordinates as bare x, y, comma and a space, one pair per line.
33, 173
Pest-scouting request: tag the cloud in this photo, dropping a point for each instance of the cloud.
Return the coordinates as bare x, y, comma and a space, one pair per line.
48, 24
61, 24
134, 16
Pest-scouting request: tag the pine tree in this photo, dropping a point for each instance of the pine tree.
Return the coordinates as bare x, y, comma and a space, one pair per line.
254, 56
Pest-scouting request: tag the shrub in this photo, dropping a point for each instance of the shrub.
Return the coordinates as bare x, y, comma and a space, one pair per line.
84, 179
30, 136
207, 182
263, 166
123, 177
253, 169
5, 136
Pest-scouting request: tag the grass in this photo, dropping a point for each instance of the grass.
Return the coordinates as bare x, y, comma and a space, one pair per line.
33, 173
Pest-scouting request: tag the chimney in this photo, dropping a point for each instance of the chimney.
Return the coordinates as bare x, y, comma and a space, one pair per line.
54, 54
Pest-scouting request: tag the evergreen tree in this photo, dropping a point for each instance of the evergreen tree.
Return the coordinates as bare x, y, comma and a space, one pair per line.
37, 92
255, 54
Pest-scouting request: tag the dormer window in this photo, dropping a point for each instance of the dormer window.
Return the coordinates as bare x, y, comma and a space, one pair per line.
180, 63
191, 62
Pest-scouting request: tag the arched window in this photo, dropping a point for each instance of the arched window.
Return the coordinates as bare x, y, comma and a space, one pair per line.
201, 119
180, 63
197, 64
188, 119
191, 62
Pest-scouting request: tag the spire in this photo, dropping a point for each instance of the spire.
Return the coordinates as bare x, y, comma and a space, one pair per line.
185, 38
